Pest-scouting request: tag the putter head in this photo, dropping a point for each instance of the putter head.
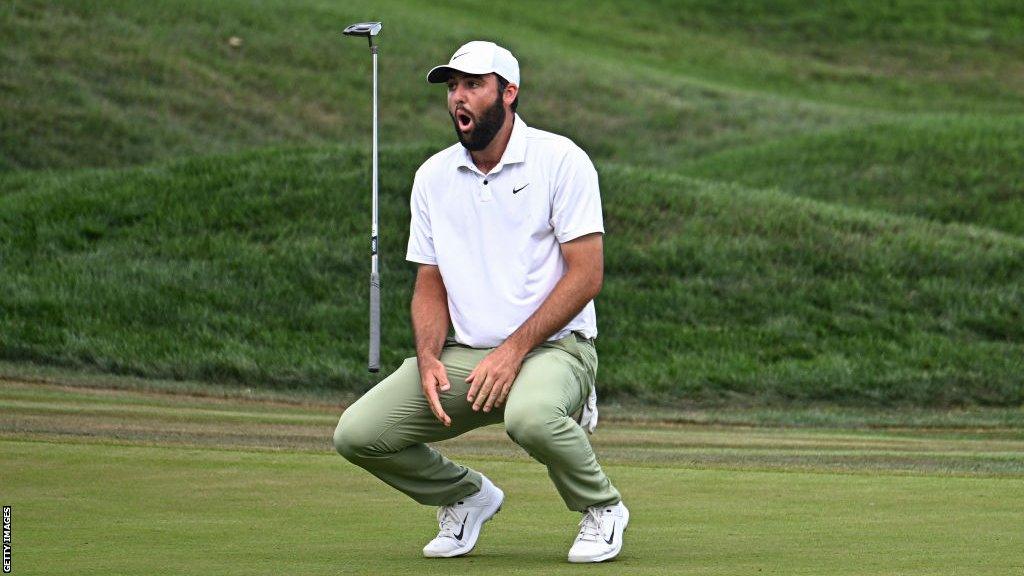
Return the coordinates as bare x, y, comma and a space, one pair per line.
363, 29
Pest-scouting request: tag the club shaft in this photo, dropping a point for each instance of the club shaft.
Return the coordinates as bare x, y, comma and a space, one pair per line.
374, 364
373, 231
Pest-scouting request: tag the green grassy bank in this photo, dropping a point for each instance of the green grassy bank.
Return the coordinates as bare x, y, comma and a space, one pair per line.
253, 269
110, 83
804, 203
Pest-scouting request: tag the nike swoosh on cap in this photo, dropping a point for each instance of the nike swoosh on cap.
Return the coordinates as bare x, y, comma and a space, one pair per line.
458, 55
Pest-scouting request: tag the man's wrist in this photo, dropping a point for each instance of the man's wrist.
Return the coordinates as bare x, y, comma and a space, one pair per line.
427, 357
516, 346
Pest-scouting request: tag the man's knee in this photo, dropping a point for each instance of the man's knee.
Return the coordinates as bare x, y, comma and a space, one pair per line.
352, 439
361, 430
530, 427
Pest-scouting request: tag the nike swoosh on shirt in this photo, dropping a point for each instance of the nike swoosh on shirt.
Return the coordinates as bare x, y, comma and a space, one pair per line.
516, 190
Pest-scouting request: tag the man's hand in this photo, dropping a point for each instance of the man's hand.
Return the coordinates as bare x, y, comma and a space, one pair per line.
491, 380
434, 377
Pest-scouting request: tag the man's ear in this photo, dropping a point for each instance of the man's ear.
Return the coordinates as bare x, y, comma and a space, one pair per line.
509, 96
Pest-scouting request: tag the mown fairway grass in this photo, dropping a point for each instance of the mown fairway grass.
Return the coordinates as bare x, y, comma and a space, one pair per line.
115, 482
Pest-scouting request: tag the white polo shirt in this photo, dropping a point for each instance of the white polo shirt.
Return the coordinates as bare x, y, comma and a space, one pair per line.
495, 237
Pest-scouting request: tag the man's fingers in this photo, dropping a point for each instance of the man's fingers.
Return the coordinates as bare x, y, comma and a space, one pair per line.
442, 381
435, 404
485, 389
495, 393
474, 385
504, 394
440, 413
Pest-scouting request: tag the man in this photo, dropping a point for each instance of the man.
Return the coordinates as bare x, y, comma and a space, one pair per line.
507, 231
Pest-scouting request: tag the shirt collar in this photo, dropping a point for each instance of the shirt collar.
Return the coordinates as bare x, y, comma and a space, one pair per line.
515, 150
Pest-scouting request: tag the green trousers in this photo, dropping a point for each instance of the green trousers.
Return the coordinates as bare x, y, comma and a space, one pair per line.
387, 430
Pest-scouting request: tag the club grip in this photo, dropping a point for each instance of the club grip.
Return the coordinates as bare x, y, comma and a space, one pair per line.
374, 322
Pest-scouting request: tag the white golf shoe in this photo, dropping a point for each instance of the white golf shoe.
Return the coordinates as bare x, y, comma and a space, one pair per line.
460, 522
600, 536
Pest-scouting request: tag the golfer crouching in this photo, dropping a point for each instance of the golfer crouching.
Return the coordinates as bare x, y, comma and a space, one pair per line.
507, 231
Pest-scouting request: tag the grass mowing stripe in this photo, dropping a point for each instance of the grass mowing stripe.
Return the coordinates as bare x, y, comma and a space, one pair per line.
952, 423
142, 399
87, 380
98, 419
964, 465
90, 509
193, 414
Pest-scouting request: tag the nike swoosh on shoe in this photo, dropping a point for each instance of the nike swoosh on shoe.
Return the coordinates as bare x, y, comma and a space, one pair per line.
611, 539
462, 529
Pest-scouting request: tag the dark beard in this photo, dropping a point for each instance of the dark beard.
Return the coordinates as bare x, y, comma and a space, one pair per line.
485, 128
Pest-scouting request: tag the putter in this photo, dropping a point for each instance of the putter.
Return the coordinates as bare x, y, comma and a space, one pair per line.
371, 29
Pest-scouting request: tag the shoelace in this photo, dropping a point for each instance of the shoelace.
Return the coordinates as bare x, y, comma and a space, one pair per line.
590, 525
448, 521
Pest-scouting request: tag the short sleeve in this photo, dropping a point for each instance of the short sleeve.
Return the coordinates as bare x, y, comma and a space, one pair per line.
576, 206
421, 239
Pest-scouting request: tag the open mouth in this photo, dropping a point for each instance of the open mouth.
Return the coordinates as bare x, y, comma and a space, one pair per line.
464, 120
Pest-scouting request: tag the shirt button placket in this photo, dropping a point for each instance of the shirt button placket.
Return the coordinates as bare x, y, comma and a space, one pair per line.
485, 190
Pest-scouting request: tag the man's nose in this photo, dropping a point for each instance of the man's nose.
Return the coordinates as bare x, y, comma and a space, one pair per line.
458, 95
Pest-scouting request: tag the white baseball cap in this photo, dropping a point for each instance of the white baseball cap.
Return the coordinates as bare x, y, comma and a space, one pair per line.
478, 57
